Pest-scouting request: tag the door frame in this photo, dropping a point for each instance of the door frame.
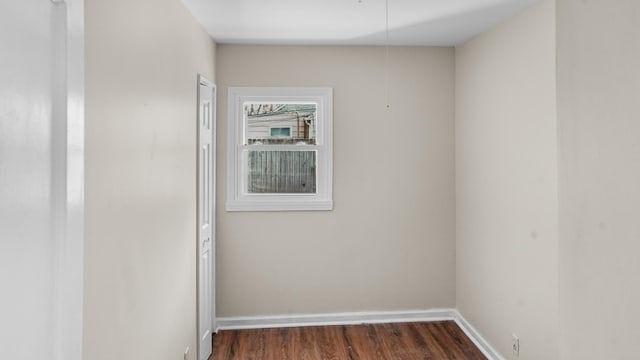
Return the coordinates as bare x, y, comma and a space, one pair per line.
68, 123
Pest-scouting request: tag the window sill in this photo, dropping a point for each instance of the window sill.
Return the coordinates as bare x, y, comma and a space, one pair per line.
279, 206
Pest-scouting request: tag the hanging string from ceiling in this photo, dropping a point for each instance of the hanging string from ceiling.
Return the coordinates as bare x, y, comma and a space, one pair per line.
386, 50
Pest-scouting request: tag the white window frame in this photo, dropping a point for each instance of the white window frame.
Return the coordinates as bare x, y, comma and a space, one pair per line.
237, 198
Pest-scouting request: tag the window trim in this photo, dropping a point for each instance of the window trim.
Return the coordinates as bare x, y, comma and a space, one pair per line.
237, 200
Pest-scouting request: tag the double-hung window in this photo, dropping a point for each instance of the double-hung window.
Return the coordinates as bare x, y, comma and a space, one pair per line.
279, 149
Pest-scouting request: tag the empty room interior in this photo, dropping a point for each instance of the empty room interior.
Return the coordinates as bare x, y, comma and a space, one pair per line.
353, 179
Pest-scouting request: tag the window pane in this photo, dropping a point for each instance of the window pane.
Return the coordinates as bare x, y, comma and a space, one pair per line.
280, 132
271, 123
281, 172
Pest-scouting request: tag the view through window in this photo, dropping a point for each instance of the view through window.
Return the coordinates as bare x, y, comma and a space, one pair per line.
283, 163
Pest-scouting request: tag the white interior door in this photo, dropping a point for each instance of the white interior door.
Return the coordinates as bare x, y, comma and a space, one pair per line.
206, 216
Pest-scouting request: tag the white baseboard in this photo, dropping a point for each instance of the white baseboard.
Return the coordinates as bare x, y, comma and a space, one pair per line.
354, 318
368, 317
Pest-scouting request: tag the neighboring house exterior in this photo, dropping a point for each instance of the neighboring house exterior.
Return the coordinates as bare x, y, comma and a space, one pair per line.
280, 122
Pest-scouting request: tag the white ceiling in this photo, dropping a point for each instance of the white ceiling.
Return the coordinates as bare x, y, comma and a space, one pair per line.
350, 22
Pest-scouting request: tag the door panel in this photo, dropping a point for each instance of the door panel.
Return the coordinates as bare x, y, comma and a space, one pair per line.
206, 218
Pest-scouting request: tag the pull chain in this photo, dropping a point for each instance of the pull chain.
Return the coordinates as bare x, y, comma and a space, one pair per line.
386, 50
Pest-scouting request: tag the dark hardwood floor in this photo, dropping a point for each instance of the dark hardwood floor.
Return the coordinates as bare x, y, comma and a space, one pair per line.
440, 340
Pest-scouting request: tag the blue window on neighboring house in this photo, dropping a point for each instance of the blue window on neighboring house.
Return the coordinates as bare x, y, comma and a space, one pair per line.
280, 132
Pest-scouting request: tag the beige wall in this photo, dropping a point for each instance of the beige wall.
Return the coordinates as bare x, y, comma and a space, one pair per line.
599, 137
506, 183
142, 60
389, 242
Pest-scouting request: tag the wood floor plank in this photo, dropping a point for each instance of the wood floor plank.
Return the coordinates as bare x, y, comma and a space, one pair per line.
441, 340
415, 340
397, 338
440, 336
462, 341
